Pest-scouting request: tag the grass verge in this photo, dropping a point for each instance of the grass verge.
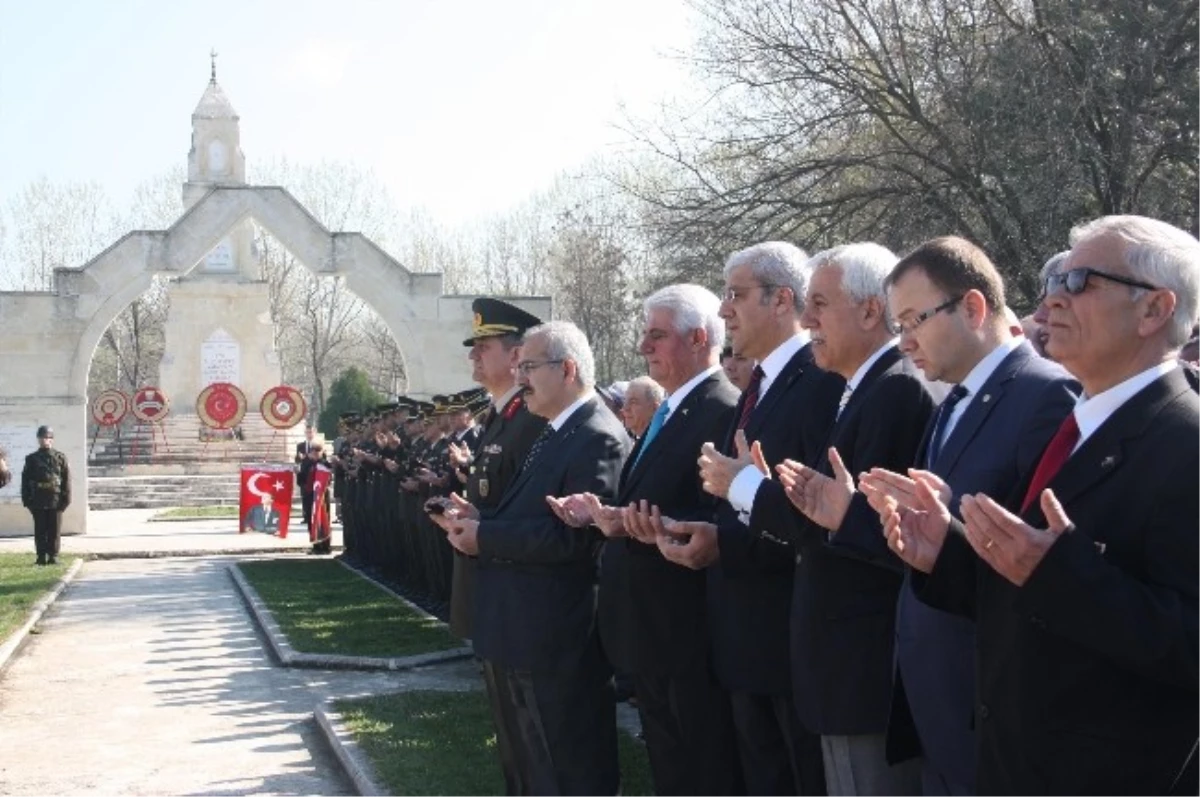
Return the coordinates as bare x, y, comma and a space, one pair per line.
324, 608
444, 743
186, 512
21, 584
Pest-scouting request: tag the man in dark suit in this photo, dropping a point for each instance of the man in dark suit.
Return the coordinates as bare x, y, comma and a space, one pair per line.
844, 605
534, 603
304, 464
660, 614
786, 410
1086, 601
507, 433
947, 299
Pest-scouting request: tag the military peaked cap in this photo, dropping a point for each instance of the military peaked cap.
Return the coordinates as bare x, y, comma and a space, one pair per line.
495, 317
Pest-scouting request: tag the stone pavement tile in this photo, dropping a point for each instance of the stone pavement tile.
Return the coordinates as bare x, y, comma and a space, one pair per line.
149, 678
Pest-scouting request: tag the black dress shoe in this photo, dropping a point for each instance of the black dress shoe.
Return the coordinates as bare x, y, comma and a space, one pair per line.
41, 560
51, 561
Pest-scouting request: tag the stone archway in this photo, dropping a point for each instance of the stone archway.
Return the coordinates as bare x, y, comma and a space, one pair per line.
52, 335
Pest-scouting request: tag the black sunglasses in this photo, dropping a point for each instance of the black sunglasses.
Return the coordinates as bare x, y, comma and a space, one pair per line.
1076, 281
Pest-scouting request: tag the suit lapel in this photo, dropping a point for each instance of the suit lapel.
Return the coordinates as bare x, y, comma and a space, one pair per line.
551, 447
790, 373
886, 360
1102, 453
665, 439
990, 395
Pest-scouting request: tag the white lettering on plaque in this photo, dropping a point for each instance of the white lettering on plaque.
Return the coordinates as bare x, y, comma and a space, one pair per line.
220, 359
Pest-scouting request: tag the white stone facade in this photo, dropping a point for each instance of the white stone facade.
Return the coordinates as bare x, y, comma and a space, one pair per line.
50, 336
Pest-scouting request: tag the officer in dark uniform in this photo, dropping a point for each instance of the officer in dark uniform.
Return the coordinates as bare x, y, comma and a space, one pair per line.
46, 492
509, 430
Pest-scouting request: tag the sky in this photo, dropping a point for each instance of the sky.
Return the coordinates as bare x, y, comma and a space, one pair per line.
462, 107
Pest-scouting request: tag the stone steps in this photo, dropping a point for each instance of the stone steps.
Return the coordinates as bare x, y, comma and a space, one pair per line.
163, 491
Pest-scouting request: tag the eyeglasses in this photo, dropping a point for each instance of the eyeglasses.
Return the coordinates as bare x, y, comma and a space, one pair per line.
911, 325
529, 366
1076, 281
733, 294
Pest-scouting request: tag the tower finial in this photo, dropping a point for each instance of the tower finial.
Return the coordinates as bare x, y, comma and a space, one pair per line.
212, 54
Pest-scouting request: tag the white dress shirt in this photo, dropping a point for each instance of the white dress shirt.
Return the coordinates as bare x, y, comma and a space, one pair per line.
1091, 413
975, 381
745, 485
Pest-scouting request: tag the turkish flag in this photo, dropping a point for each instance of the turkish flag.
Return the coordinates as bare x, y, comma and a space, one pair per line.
318, 527
265, 504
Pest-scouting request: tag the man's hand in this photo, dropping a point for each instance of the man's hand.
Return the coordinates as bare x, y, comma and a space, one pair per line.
573, 510
392, 465
464, 536
718, 471
822, 499
460, 455
1010, 546
916, 534
880, 482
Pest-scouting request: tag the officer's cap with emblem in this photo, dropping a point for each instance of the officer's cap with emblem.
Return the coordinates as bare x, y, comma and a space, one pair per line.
494, 317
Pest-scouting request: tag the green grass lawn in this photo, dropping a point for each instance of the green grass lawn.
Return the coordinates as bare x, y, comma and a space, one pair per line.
21, 584
324, 608
444, 743
185, 512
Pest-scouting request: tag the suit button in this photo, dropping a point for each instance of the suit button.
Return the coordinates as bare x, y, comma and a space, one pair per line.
1037, 622
983, 712
798, 558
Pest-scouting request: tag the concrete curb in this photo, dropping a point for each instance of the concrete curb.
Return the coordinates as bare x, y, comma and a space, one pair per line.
192, 553
288, 657
14, 643
353, 760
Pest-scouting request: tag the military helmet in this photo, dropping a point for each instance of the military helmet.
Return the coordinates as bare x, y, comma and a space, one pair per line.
44, 431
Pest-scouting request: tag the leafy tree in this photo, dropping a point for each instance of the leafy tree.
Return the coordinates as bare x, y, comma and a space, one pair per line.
350, 392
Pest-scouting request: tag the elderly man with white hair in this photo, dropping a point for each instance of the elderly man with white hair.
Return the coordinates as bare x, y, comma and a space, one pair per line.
847, 581
684, 711
786, 411
1086, 601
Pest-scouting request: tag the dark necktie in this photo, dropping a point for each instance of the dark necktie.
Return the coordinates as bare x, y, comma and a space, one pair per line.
1053, 458
538, 445
957, 394
751, 398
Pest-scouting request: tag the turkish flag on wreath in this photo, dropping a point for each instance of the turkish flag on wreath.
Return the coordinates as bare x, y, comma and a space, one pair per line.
266, 499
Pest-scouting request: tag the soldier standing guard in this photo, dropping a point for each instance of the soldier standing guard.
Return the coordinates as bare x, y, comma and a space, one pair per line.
46, 492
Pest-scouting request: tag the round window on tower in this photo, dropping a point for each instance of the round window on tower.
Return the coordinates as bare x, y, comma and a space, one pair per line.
216, 157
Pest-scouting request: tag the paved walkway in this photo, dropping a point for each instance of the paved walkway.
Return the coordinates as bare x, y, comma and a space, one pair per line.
130, 532
148, 677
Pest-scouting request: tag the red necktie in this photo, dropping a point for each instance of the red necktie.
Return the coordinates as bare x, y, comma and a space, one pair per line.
1057, 453
751, 396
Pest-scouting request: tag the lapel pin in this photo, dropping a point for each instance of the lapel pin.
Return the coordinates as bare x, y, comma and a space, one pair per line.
1108, 461
987, 397
1101, 548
